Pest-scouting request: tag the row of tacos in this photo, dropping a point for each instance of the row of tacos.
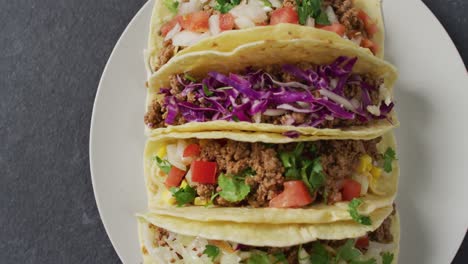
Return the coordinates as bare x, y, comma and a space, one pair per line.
269, 128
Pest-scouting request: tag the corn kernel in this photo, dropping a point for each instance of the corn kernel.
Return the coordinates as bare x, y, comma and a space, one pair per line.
167, 196
162, 152
365, 164
376, 172
183, 184
199, 201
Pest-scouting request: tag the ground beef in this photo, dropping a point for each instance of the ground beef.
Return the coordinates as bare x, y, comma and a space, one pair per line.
289, 3
154, 117
166, 53
339, 159
383, 234
347, 14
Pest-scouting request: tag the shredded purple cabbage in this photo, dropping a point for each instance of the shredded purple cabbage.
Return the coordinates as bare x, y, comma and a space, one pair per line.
291, 134
246, 97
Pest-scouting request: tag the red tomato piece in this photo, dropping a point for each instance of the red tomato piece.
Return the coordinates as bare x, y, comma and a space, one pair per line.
226, 21
175, 177
295, 194
351, 189
168, 26
371, 27
196, 22
367, 43
362, 242
335, 27
191, 150
284, 15
203, 171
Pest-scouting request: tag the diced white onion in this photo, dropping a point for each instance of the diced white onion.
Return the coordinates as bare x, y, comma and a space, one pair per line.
214, 25
331, 15
252, 10
187, 38
385, 95
373, 109
364, 181
181, 146
357, 40
333, 83
257, 117
174, 158
176, 29
243, 22
338, 99
303, 256
189, 7
276, 3
310, 22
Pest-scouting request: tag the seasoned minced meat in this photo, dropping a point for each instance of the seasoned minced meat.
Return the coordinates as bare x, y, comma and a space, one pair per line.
233, 157
347, 14
154, 117
383, 234
166, 53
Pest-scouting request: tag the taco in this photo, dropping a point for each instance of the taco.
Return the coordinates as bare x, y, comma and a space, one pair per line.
179, 27
243, 180
280, 86
171, 240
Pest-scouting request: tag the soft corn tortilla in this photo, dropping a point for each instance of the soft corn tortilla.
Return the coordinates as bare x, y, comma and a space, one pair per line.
260, 54
229, 40
267, 234
321, 213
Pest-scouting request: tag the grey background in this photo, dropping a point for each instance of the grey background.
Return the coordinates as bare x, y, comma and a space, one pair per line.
52, 53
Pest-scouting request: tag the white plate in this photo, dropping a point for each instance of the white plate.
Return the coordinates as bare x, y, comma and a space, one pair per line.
432, 100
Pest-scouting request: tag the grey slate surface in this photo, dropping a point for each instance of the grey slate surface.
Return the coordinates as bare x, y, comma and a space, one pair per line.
52, 53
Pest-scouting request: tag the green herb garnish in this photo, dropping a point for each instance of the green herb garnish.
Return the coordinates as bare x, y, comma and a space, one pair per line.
389, 157
172, 5
259, 258
235, 118
225, 6
292, 161
353, 211
319, 254
211, 251
164, 165
312, 174
206, 91
266, 3
189, 77
184, 195
387, 258
313, 9
280, 258
232, 189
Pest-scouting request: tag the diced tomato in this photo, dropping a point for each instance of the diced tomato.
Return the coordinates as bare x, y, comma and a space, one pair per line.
284, 15
351, 189
335, 27
175, 177
367, 43
371, 27
362, 242
191, 150
295, 194
196, 22
168, 26
226, 21
203, 171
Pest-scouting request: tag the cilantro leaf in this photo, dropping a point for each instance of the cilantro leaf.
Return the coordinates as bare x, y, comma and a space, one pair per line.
280, 258
164, 165
369, 261
183, 195
249, 172
206, 91
235, 118
225, 6
353, 211
347, 252
232, 189
291, 162
172, 5
189, 77
313, 9
387, 258
259, 258
389, 157
319, 254
211, 251
266, 3
312, 174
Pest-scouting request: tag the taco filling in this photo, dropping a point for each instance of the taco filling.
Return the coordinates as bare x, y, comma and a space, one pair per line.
194, 20
232, 173
306, 95
169, 247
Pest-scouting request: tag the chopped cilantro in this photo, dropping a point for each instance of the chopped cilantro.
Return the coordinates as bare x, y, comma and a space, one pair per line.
189, 77
387, 258
319, 254
206, 91
351, 255
232, 189
225, 6
312, 174
259, 258
389, 157
246, 173
266, 3
172, 5
313, 9
291, 162
184, 195
164, 165
211, 251
280, 258
235, 118
353, 211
